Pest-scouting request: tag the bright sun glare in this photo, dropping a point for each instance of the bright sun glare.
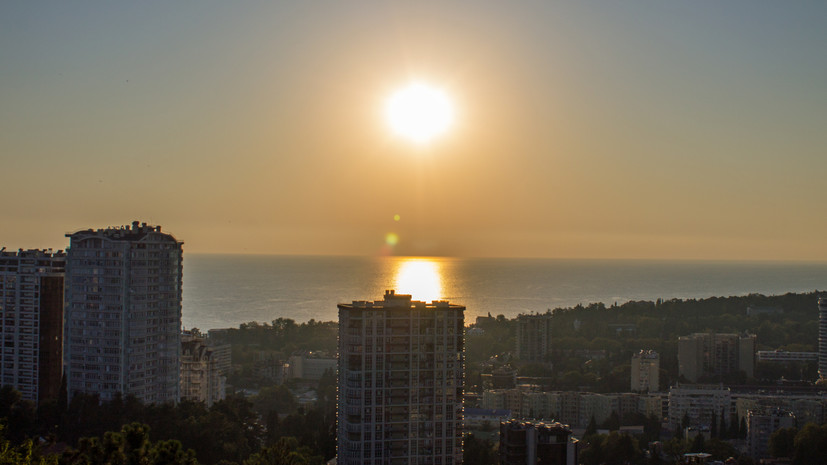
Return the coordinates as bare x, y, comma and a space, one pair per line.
419, 112
421, 278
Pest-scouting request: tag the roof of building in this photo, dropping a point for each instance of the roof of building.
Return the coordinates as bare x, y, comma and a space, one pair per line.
136, 232
394, 300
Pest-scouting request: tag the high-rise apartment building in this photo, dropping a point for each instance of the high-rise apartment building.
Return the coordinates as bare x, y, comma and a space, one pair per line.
31, 322
123, 313
645, 371
401, 368
534, 337
822, 337
715, 355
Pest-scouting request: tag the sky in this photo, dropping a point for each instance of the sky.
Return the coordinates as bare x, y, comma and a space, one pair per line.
639, 129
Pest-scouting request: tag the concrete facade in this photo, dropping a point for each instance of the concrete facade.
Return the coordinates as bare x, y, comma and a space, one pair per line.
533, 341
400, 381
31, 322
645, 371
123, 313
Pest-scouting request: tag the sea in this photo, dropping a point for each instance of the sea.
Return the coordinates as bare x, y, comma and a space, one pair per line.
223, 291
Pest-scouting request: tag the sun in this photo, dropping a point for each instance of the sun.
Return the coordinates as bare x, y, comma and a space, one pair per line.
419, 112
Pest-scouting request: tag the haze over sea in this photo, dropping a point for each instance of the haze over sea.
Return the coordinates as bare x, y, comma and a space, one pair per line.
222, 291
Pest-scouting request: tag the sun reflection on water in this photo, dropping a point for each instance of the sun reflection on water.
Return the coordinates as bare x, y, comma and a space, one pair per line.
419, 277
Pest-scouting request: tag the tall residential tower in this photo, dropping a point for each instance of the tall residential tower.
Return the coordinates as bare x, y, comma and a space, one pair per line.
822, 337
31, 322
533, 337
123, 313
401, 367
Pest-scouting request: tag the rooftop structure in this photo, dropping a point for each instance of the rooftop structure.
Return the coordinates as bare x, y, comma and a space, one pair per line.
529, 443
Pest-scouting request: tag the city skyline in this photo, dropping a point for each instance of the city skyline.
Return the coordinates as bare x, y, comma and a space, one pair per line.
583, 130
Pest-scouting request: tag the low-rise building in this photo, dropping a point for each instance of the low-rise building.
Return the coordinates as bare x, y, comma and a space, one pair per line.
201, 375
806, 407
528, 443
699, 403
785, 356
310, 365
484, 418
761, 423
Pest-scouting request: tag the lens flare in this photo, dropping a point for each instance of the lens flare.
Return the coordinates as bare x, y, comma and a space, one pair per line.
391, 239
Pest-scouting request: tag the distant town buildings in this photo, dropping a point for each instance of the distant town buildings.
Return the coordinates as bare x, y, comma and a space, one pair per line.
500, 378
715, 355
202, 369
645, 371
570, 407
484, 418
699, 403
310, 366
785, 356
31, 322
270, 365
529, 443
123, 313
400, 380
533, 337
754, 310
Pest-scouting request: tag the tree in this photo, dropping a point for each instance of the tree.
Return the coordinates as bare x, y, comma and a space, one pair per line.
782, 442
810, 445
613, 422
130, 446
20, 414
274, 398
24, 454
621, 449
285, 452
591, 429
171, 452
697, 444
720, 450
478, 451
594, 452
